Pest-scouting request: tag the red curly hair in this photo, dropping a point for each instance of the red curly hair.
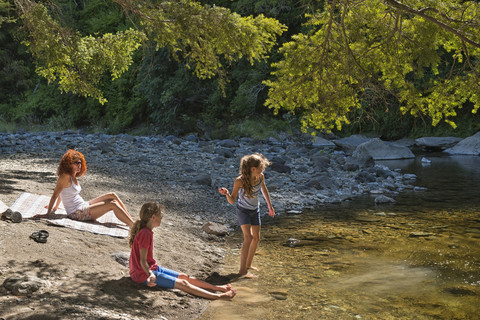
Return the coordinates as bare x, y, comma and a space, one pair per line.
66, 164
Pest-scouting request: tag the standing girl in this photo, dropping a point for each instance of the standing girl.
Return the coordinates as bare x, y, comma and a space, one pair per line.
247, 187
71, 167
144, 269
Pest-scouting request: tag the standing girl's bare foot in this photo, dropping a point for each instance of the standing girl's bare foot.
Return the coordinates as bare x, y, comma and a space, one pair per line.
248, 275
253, 268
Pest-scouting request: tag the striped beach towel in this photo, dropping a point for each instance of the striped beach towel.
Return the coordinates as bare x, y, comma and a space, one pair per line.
3, 206
29, 204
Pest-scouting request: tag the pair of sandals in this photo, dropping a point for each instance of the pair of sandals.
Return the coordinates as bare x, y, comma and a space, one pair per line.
40, 236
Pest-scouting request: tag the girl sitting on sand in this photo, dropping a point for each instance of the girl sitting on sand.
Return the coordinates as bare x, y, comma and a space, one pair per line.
144, 269
71, 167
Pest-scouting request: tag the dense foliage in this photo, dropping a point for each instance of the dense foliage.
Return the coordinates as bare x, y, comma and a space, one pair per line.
206, 67
423, 54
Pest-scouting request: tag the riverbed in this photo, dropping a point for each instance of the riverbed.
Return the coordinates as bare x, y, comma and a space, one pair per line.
416, 259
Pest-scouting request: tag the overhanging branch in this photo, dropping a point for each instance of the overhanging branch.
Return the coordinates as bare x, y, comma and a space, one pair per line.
422, 13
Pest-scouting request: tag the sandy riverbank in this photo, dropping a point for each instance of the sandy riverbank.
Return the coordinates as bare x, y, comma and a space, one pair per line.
85, 282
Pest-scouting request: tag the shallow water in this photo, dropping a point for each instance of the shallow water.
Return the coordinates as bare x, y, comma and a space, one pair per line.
416, 259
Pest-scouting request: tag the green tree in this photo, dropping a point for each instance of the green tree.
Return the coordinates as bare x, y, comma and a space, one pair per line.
424, 53
207, 38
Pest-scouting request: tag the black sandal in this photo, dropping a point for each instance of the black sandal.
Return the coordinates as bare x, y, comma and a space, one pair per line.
13, 216
40, 236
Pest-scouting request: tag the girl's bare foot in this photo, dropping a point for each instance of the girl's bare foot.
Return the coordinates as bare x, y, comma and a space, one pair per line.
248, 275
253, 268
228, 295
225, 288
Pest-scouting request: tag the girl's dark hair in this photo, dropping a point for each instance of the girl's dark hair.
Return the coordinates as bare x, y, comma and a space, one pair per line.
256, 160
65, 165
148, 210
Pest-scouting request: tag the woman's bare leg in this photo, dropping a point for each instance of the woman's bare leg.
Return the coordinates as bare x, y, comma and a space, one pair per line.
109, 196
98, 209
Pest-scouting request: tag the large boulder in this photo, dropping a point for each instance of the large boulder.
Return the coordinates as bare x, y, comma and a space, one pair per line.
349, 144
320, 142
381, 150
437, 143
468, 146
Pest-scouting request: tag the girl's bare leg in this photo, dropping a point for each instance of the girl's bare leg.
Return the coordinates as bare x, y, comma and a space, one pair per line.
247, 240
188, 287
98, 209
203, 284
255, 232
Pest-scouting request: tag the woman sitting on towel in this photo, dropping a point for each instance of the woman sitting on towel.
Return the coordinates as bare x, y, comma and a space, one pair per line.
72, 166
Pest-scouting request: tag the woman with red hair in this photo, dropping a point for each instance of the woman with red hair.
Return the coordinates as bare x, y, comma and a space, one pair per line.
72, 166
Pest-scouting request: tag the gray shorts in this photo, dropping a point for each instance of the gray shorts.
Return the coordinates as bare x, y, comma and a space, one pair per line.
246, 216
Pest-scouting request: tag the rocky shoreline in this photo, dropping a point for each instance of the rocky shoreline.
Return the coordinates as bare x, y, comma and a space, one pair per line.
183, 174
303, 174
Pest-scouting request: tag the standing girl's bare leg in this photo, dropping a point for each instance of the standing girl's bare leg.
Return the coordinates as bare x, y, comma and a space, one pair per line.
255, 232
247, 240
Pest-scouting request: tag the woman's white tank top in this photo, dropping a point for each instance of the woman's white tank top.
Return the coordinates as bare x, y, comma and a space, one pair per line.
71, 198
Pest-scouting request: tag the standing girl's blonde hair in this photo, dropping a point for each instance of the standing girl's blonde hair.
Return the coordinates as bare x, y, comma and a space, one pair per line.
256, 160
148, 210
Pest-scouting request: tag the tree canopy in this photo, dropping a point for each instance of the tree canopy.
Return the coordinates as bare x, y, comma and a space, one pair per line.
424, 53
349, 55
206, 37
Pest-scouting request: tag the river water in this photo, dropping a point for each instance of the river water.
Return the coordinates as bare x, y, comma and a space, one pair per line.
416, 259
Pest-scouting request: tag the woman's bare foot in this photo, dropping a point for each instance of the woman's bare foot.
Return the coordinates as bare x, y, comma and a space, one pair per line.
253, 268
228, 295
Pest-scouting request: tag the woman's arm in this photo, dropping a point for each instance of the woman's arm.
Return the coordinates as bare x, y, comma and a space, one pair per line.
232, 197
143, 262
266, 195
62, 183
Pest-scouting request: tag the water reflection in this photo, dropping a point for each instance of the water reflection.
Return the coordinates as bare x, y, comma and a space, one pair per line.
416, 259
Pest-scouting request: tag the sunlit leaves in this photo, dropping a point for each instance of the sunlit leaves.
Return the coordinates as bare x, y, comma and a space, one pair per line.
205, 37
425, 55
77, 63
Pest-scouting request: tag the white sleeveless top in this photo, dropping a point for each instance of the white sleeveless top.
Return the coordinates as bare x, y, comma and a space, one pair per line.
72, 201
249, 203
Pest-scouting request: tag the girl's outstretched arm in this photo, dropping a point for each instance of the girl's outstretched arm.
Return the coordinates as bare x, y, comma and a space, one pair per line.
231, 197
266, 195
